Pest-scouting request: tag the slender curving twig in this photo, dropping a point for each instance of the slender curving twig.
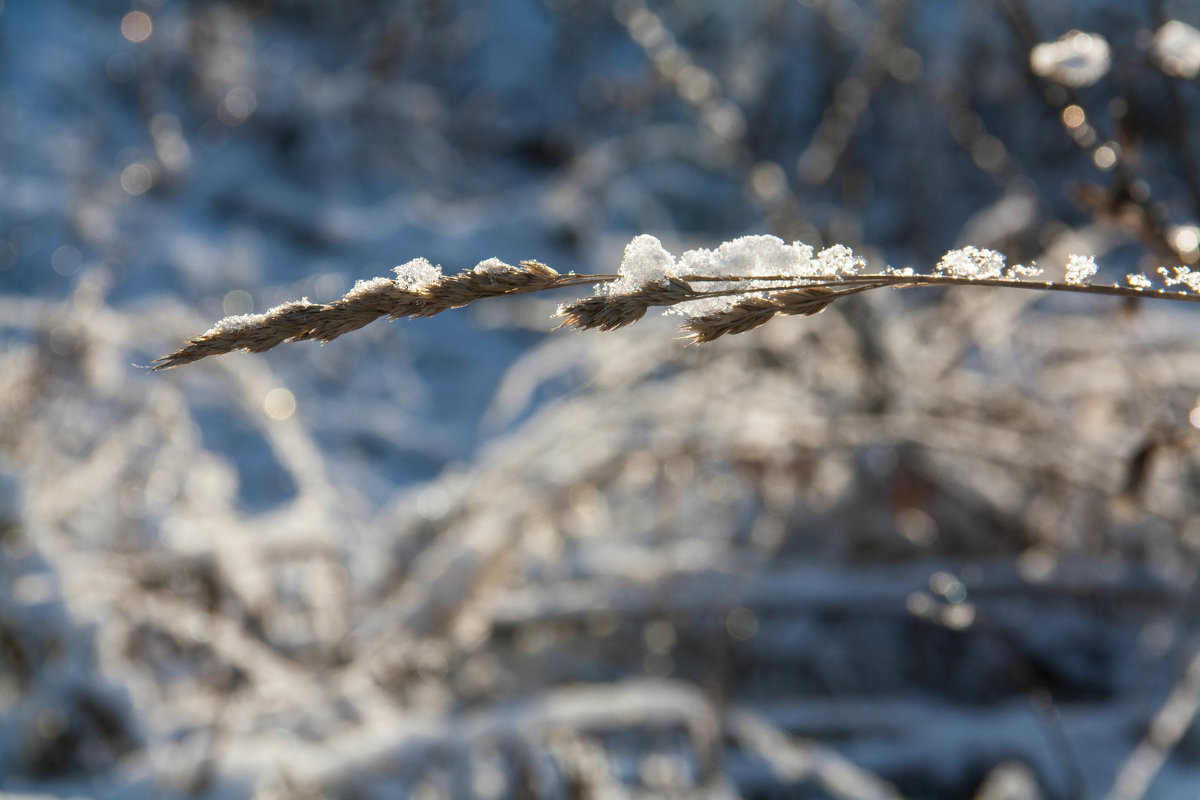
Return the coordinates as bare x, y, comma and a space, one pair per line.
716, 303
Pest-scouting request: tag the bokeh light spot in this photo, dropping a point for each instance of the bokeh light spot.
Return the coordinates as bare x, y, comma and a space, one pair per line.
905, 65
1105, 156
958, 617
741, 624
238, 104
433, 503
1186, 241
137, 178
659, 636
1194, 419
768, 181
66, 260
280, 403
137, 26
1077, 59
917, 526
237, 302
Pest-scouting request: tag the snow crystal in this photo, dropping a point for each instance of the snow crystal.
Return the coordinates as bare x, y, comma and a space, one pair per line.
1173, 276
1177, 49
1138, 280
417, 273
839, 260
493, 266
768, 258
362, 288
645, 260
1076, 59
748, 256
751, 256
1080, 268
1032, 270
240, 322
972, 262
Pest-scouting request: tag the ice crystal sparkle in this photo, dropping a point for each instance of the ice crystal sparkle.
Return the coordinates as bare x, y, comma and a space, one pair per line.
1077, 59
1175, 276
417, 273
645, 261
1177, 49
1080, 268
972, 262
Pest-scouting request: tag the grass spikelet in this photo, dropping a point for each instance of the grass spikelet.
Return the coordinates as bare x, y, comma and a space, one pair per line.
253, 332
299, 321
366, 302
608, 312
362, 305
491, 278
601, 312
805, 302
740, 317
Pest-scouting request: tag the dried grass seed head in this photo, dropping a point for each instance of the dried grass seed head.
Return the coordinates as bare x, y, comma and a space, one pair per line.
742, 316
610, 311
804, 302
490, 278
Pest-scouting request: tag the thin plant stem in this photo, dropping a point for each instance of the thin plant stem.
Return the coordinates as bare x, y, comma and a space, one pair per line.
753, 300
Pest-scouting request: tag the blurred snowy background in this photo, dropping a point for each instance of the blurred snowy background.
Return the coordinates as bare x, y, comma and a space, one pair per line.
934, 546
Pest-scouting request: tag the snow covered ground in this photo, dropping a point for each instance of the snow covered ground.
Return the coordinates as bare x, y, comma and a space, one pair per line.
935, 545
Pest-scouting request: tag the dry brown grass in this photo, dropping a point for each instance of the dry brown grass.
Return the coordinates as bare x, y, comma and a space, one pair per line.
753, 300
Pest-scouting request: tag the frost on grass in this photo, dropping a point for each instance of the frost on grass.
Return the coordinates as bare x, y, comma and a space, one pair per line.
972, 262
736, 287
753, 258
838, 260
759, 263
418, 273
647, 277
418, 290
1180, 276
1080, 268
646, 261
492, 267
976, 263
1138, 280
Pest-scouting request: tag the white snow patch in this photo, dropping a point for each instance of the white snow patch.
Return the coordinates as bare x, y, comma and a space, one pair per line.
492, 266
645, 261
236, 323
839, 260
972, 262
751, 256
1080, 268
768, 258
368, 287
417, 273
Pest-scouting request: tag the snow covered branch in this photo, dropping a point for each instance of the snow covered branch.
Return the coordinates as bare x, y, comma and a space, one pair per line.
737, 287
